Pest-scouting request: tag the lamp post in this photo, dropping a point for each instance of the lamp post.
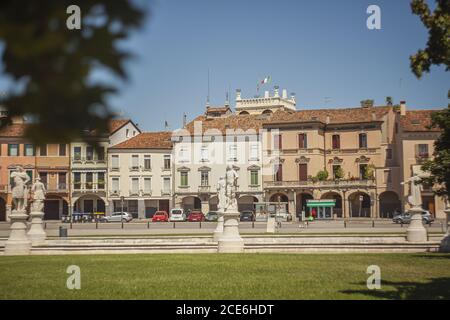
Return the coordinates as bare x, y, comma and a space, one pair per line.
122, 198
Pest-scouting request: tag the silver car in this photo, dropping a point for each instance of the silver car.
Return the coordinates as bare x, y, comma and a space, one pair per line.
118, 217
177, 215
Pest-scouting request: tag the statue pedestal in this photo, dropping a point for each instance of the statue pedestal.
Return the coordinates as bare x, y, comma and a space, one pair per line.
270, 224
219, 229
36, 233
445, 243
18, 242
416, 232
231, 241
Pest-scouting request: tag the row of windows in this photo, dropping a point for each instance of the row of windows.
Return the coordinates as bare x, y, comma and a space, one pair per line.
204, 178
136, 184
135, 162
29, 150
90, 153
205, 154
303, 141
303, 174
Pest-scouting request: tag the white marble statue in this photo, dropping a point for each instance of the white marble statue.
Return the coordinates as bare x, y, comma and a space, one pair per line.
221, 194
415, 197
39, 191
231, 177
20, 190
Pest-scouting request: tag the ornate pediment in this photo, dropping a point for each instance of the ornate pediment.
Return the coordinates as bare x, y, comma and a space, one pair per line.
254, 167
363, 159
204, 168
302, 159
336, 160
184, 169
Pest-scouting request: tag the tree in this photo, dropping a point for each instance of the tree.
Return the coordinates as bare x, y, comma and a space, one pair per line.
437, 51
52, 66
439, 166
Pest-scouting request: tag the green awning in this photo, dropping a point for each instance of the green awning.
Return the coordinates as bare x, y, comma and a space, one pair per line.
320, 203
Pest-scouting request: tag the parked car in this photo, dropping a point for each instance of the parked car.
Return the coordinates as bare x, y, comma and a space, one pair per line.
211, 216
118, 217
177, 215
405, 218
160, 216
196, 216
247, 216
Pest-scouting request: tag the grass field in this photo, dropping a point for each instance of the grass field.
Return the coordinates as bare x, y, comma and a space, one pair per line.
212, 276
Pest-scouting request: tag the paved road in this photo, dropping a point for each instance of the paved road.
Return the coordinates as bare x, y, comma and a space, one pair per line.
149, 228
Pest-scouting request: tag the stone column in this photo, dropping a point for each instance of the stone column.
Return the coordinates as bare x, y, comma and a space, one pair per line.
231, 241
416, 232
18, 242
445, 243
141, 209
36, 233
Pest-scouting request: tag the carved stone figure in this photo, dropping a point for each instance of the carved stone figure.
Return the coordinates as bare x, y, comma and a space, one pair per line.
231, 177
221, 194
39, 191
20, 190
415, 197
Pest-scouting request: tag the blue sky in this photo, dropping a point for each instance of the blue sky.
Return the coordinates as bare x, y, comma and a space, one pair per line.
316, 49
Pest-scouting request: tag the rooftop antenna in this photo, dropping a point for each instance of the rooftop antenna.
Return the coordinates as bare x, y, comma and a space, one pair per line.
184, 119
207, 97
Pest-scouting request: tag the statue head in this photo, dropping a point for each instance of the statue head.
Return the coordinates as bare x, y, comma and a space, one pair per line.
19, 168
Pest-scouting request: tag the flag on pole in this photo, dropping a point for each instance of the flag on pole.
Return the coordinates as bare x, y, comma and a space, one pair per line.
263, 82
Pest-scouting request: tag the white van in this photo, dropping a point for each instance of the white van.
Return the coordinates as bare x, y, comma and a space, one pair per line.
177, 214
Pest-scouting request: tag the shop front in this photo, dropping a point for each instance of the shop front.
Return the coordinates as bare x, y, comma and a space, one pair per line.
321, 209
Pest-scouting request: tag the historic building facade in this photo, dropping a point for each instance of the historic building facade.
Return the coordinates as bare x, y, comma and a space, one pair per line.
140, 174
329, 163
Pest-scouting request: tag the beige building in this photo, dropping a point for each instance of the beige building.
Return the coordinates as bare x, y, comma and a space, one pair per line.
140, 174
89, 168
416, 144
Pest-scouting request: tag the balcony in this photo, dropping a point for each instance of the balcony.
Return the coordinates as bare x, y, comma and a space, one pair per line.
88, 160
204, 189
134, 193
88, 187
57, 188
319, 184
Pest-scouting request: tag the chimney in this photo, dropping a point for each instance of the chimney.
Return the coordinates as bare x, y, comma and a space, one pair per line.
238, 94
403, 108
328, 120
276, 93
266, 94
284, 95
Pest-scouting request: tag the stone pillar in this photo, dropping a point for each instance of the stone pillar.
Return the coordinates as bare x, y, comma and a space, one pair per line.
291, 207
416, 232
345, 207
445, 243
219, 229
18, 242
141, 209
36, 233
231, 241
8, 212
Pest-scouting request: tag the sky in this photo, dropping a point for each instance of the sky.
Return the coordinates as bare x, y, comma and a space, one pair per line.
322, 50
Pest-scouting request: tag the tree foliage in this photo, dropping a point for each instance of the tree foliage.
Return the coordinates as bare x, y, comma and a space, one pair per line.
51, 66
437, 51
439, 166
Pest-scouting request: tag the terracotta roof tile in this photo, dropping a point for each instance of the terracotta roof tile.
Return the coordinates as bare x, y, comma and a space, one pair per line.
147, 140
232, 122
417, 120
116, 124
333, 116
13, 130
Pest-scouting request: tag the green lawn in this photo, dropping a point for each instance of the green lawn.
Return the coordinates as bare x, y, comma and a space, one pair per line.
219, 276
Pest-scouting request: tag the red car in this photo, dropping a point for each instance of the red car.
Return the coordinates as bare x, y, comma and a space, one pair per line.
196, 216
160, 216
